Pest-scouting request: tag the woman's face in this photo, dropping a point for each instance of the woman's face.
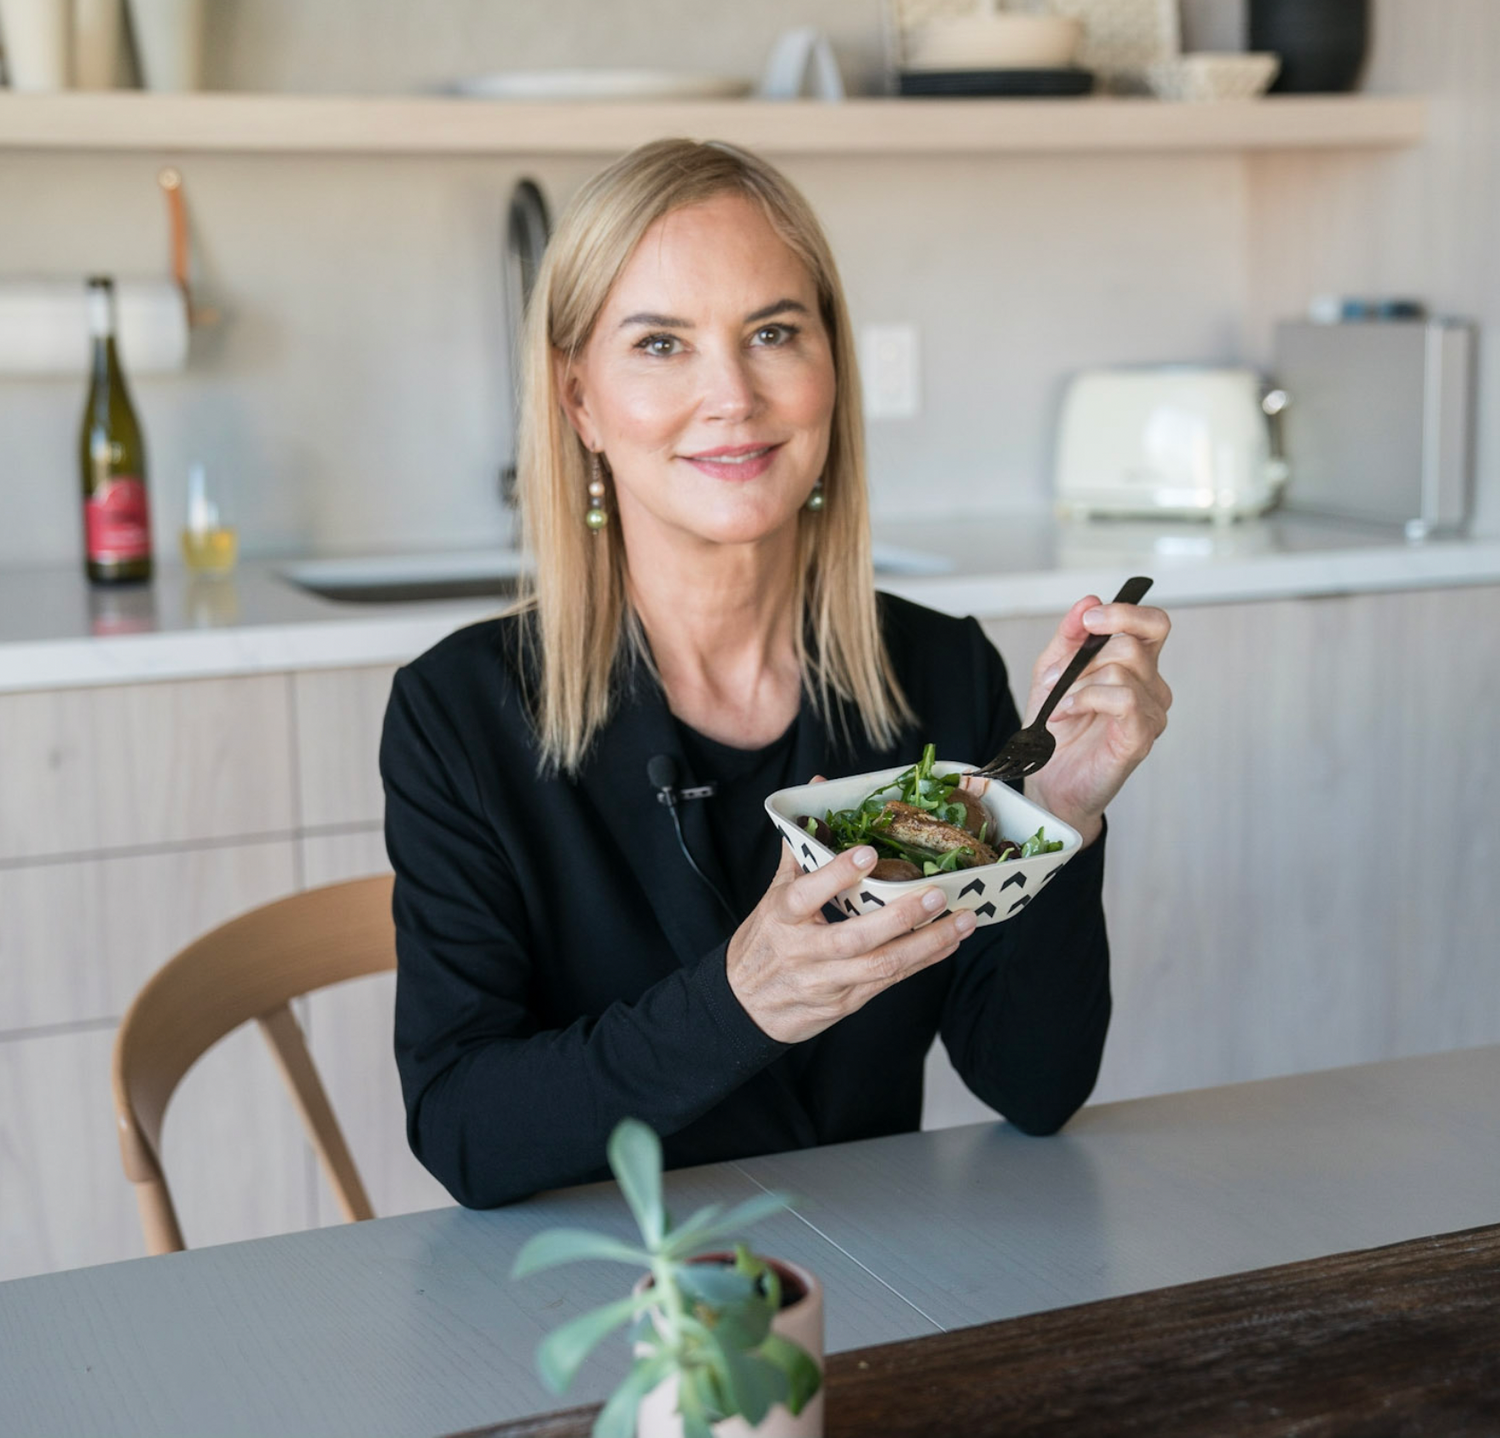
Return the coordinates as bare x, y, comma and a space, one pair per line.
708, 381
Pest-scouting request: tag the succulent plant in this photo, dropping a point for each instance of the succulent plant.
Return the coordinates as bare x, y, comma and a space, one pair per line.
708, 1323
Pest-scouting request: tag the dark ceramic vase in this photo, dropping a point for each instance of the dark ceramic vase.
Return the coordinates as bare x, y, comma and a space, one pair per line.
1321, 42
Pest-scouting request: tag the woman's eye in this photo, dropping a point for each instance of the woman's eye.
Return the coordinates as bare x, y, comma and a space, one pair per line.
773, 335
662, 345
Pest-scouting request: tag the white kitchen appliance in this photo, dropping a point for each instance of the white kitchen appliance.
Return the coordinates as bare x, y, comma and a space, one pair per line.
1179, 440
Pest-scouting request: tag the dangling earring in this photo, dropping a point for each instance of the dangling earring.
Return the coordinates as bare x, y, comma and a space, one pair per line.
598, 516
815, 499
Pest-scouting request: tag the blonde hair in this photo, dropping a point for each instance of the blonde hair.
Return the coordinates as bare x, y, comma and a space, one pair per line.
581, 625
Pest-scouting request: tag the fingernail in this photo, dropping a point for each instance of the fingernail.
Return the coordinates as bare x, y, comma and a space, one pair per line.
1065, 704
1093, 616
933, 899
864, 858
964, 922
1052, 675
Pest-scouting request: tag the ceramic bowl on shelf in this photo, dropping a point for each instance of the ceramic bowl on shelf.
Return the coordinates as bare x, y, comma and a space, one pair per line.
994, 892
1209, 76
994, 42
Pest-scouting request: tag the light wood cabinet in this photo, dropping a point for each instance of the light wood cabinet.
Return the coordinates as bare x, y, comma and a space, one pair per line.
133, 819
339, 717
1302, 874
79, 937
86, 770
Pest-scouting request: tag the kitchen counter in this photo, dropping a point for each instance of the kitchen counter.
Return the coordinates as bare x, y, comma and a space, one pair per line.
56, 632
412, 1325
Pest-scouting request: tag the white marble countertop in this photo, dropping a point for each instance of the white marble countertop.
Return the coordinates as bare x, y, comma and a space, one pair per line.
55, 631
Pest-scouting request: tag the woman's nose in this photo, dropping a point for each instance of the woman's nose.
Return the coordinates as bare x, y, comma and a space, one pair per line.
730, 393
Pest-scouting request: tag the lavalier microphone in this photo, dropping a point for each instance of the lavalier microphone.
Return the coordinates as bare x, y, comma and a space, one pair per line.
661, 771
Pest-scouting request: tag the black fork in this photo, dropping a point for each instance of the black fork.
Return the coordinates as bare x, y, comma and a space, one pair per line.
1029, 748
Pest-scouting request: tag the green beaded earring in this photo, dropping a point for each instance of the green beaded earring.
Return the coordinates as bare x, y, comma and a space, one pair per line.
815, 499
598, 516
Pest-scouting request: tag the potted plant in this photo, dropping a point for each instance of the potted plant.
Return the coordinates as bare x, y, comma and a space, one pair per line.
721, 1339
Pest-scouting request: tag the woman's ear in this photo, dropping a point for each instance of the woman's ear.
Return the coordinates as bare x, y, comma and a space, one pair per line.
570, 395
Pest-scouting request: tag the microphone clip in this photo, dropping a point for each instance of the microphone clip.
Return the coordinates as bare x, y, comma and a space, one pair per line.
699, 791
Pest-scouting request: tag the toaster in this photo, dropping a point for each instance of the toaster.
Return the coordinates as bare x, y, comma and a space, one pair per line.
1167, 440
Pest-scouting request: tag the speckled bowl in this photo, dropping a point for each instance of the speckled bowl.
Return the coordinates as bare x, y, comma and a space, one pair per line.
995, 892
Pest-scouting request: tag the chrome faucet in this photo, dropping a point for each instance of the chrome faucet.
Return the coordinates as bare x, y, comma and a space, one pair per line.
527, 228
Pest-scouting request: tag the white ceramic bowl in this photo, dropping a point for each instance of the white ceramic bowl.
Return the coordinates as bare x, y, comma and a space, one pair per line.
995, 42
1208, 76
995, 892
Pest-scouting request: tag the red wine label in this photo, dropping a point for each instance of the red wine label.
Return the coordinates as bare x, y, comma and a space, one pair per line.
115, 521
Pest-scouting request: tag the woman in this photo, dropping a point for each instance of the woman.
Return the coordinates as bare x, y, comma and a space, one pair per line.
692, 486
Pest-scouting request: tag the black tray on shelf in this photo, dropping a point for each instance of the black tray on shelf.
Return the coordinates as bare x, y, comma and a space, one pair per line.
1015, 83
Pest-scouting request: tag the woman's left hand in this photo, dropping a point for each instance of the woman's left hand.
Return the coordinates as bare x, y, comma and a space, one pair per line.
1108, 721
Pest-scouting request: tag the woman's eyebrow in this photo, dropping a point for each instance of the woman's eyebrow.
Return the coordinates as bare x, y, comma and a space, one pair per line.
674, 322
666, 321
779, 308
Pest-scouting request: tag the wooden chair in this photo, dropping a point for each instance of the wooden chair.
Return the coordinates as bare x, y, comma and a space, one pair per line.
250, 968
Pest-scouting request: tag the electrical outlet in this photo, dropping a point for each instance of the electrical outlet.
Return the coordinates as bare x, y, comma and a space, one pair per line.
891, 368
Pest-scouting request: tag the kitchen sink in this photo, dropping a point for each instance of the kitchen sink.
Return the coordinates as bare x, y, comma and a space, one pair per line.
490, 574
400, 578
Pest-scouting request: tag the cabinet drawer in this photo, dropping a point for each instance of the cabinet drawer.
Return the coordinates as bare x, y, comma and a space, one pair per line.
80, 937
349, 1031
83, 770
234, 1153
339, 717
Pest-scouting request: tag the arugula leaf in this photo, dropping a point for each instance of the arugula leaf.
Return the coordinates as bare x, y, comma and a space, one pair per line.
1038, 843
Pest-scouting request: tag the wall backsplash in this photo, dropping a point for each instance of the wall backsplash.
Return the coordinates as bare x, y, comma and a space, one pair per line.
356, 394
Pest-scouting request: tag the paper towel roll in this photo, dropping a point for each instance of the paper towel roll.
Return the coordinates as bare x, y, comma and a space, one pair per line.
44, 327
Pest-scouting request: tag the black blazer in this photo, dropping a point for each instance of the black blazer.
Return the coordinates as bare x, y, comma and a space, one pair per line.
561, 967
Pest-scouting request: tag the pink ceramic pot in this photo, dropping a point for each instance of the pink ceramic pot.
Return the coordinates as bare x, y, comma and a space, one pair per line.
800, 1321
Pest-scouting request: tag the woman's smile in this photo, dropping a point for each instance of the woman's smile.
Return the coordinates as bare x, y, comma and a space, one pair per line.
748, 461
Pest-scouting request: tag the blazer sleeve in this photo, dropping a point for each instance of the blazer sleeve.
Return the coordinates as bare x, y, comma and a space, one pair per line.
1026, 1015
497, 1107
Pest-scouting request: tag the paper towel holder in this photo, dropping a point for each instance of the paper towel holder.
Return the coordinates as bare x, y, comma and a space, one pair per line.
171, 182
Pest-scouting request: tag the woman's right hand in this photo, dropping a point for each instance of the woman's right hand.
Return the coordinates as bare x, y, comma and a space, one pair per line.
796, 974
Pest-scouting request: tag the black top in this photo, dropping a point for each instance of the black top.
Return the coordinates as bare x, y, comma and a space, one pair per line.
745, 842
561, 966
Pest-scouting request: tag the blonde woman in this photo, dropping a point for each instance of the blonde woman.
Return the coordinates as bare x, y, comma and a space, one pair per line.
704, 614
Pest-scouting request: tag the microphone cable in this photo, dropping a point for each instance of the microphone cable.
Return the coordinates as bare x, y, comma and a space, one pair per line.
662, 772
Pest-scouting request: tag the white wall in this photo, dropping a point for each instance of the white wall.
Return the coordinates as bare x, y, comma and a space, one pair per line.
356, 393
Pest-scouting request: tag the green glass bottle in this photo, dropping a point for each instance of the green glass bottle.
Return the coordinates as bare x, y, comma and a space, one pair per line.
116, 513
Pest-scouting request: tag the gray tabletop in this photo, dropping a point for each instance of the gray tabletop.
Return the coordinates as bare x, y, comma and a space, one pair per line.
411, 1326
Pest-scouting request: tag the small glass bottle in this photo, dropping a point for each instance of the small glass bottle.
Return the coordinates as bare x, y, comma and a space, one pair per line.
209, 545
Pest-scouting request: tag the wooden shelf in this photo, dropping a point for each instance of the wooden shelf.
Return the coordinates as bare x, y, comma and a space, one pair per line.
421, 125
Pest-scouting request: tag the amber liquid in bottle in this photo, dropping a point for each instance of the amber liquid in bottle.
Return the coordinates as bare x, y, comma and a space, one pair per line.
116, 517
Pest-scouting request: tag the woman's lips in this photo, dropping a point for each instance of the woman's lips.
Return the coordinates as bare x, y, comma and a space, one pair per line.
748, 463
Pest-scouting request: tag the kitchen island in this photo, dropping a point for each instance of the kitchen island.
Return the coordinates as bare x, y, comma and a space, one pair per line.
411, 1325
214, 748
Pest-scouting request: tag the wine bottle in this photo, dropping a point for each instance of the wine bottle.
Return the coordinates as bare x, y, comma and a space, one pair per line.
116, 517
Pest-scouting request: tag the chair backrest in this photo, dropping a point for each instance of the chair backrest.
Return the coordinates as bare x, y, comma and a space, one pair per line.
250, 968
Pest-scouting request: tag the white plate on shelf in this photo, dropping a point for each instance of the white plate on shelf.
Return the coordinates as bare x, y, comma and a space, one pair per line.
600, 85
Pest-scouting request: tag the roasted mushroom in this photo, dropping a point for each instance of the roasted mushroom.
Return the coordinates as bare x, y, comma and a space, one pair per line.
818, 828
897, 870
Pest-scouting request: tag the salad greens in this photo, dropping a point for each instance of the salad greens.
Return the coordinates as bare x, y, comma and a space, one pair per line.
934, 794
